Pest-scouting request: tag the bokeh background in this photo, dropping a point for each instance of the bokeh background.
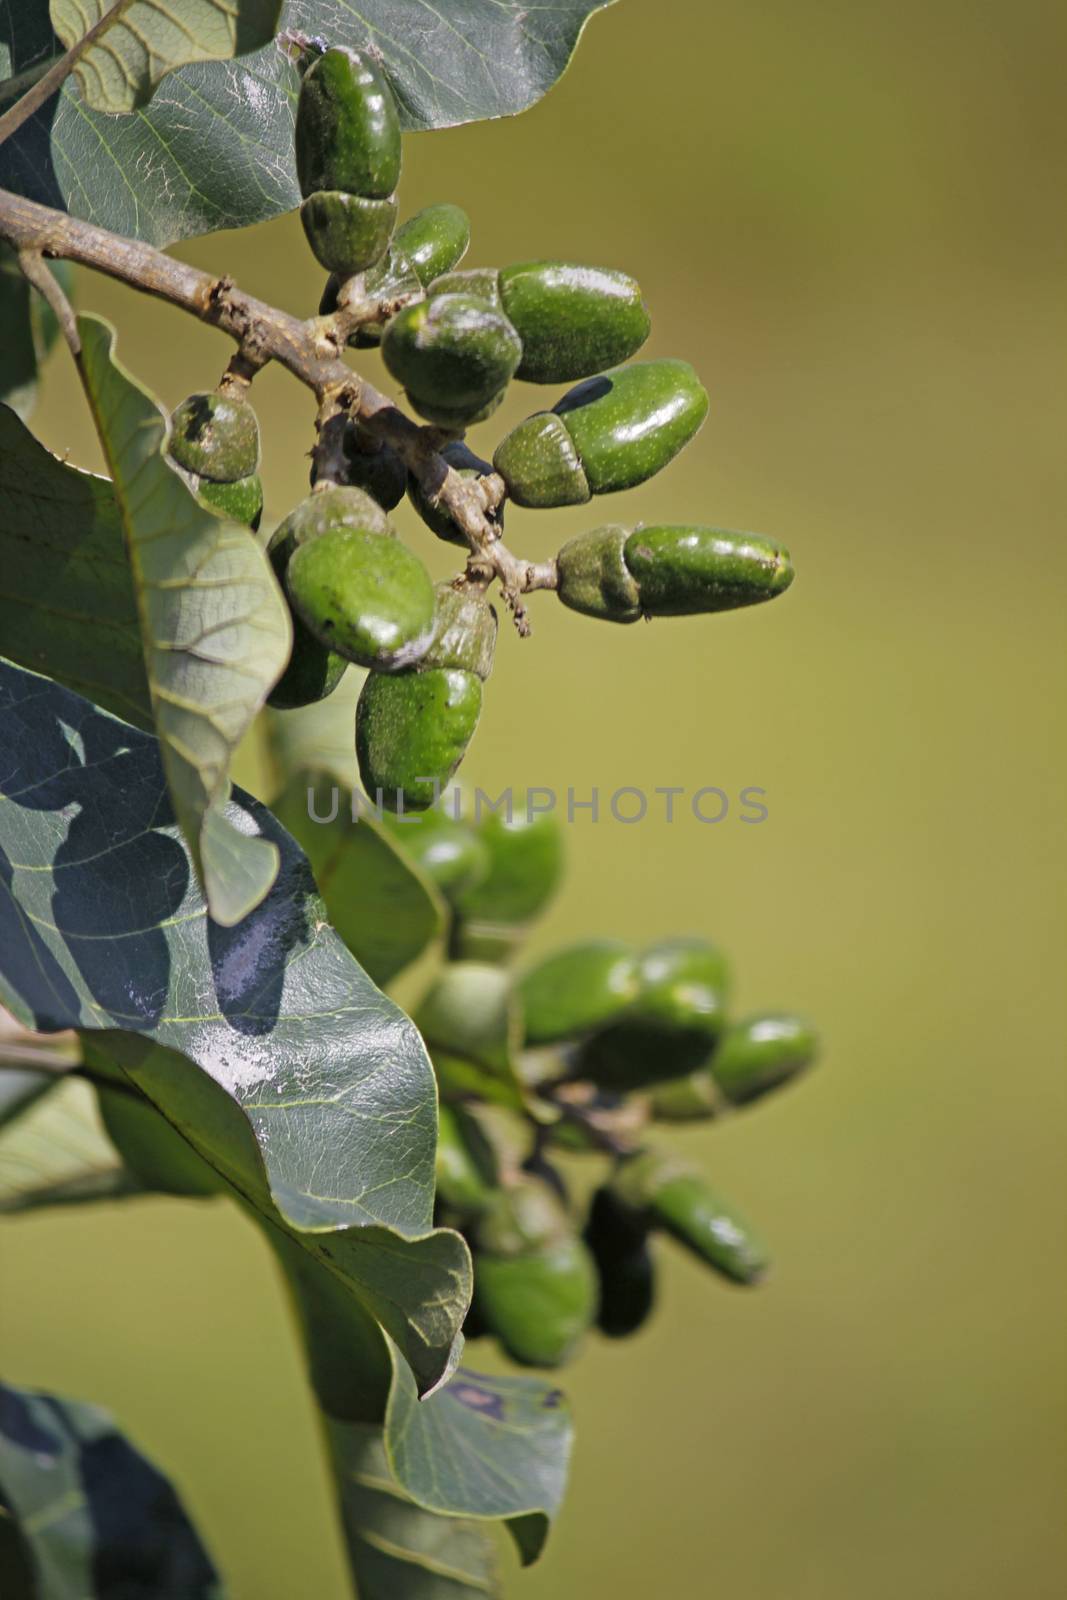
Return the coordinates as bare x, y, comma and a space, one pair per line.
850, 218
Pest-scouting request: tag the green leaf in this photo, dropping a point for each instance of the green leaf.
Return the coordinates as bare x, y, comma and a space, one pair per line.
398, 1551
214, 627
67, 606
484, 1447
214, 148
266, 1046
57, 1153
87, 1517
135, 43
28, 330
386, 913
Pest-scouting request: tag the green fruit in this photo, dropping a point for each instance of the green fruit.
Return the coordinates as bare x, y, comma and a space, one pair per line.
328, 508
593, 576
670, 1027
216, 437
693, 1098
534, 1281
578, 989
464, 461
347, 127
481, 282
413, 728
312, 673
367, 597
683, 570
154, 1151
453, 354
241, 501
347, 232
456, 419
676, 1198
412, 732
617, 1238
762, 1053
525, 871
445, 850
572, 320
609, 433
375, 468
433, 241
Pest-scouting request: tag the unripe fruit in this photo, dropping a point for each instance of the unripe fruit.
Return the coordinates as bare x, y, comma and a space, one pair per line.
693, 1098
413, 728
618, 1241
575, 990
464, 461
215, 436
680, 571
347, 127
454, 355
433, 241
670, 1027
347, 232
314, 671
155, 1152
760, 1054
609, 433
525, 867
449, 853
572, 320
241, 501
367, 597
535, 1283
661, 571
674, 1197
375, 468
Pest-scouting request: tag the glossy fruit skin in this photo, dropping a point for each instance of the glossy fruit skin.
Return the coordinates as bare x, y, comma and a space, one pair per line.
464, 461
334, 506
313, 671
573, 320
366, 597
481, 282
241, 501
453, 354
675, 1198
347, 232
617, 1238
670, 1028
413, 728
215, 436
578, 989
445, 850
525, 866
375, 468
762, 1053
433, 241
609, 433
412, 732
593, 576
535, 1283
680, 571
347, 127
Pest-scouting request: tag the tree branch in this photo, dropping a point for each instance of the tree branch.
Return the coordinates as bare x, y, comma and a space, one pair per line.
311, 350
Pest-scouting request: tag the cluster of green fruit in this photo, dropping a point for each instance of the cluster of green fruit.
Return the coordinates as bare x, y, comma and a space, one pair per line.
454, 340
579, 1054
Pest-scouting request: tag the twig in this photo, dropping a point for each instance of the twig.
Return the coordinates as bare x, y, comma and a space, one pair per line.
50, 82
32, 266
311, 351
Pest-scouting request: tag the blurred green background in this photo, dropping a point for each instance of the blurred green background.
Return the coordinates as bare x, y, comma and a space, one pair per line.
851, 219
